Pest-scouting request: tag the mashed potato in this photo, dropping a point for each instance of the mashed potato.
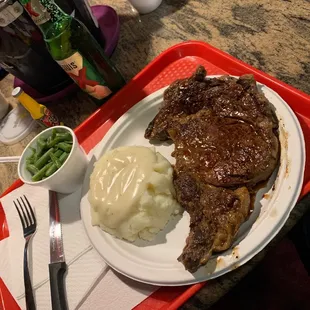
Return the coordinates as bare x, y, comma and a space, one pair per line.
131, 193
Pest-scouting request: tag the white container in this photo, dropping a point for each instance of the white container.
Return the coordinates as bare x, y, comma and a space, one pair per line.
145, 6
68, 177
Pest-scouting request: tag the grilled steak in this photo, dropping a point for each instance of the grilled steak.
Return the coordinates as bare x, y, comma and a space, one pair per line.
222, 151
225, 96
226, 141
215, 217
183, 97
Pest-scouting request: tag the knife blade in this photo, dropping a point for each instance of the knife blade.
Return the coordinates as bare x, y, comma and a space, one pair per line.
57, 266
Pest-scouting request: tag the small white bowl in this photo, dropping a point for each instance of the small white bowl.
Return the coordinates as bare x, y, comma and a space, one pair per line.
68, 177
145, 6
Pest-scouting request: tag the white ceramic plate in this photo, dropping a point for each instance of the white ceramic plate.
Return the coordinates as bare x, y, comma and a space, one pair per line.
156, 262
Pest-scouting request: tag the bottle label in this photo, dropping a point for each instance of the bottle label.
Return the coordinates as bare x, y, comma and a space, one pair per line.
48, 119
37, 12
10, 13
85, 75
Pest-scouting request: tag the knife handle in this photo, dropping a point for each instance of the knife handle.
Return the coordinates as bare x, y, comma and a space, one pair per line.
58, 294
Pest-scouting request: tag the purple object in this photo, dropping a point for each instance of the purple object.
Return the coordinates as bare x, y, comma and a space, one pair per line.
109, 25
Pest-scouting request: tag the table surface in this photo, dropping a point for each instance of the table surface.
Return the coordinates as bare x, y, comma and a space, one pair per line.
273, 36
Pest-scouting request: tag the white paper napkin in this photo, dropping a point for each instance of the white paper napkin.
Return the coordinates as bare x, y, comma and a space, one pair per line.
86, 269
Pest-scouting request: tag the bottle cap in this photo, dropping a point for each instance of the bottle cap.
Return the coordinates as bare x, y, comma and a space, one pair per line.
16, 125
16, 92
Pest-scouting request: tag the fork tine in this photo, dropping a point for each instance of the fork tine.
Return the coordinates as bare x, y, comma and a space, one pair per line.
27, 211
31, 211
24, 214
20, 215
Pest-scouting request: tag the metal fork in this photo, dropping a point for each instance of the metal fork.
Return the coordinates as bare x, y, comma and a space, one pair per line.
29, 224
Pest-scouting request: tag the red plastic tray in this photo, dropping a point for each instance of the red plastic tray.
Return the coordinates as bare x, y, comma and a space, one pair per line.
178, 61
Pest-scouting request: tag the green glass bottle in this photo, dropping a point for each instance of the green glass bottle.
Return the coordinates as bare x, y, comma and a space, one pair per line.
75, 49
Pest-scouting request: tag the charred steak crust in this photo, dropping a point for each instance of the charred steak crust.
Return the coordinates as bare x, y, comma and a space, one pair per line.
225, 96
182, 97
215, 217
226, 140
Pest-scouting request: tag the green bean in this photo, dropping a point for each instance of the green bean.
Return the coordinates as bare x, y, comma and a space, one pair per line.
32, 169
58, 153
59, 138
29, 161
40, 150
43, 159
39, 175
41, 143
63, 157
66, 136
54, 167
48, 141
33, 152
64, 146
49, 154
37, 155
51, 170
54, 141
54, 131
55, 160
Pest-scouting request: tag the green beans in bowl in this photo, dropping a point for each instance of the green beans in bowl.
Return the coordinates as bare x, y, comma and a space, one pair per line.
54, 160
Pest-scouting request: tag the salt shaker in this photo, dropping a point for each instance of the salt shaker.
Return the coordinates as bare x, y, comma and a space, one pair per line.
145, 6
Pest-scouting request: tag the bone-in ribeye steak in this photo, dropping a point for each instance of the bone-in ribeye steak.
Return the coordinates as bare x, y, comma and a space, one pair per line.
226, 140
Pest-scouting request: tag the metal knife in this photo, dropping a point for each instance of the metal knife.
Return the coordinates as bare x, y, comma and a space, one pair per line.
58, 266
